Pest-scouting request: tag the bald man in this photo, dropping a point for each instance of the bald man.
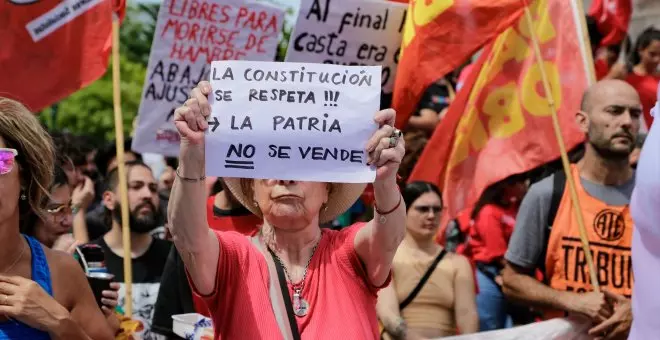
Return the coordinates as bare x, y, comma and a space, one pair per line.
546, 236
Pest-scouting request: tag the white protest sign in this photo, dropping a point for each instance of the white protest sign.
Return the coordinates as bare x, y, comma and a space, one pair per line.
190, 34
292, 121
349, 32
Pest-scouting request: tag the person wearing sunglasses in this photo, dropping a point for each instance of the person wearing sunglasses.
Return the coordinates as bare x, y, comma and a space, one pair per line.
44, 294
444, 301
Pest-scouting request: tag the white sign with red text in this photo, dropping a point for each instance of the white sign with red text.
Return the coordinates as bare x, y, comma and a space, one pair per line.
190, 34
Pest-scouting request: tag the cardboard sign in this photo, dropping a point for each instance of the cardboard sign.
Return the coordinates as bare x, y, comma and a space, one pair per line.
292, 121
349, 32
190, 34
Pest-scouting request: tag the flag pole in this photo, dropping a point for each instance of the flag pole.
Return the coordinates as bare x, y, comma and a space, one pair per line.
589, 54
121, 168
577, 209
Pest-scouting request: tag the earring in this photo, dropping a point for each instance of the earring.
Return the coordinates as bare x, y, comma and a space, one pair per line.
23, 197
325, 207
256, 204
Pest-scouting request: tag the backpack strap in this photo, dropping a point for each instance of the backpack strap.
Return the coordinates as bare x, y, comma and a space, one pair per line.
558, 187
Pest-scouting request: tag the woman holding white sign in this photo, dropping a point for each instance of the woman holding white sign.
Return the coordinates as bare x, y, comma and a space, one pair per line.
293, 278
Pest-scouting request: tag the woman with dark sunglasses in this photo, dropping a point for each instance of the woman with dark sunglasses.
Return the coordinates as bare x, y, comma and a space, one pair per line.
444, 303
43, 293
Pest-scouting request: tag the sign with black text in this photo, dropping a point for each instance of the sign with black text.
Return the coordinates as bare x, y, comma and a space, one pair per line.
190, 34
349, 32
292, 121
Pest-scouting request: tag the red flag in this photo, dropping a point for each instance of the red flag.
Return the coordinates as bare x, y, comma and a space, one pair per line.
613, 18
500, 122
435, 42
52, 48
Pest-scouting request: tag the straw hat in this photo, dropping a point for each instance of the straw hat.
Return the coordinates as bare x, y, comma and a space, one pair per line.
342, 197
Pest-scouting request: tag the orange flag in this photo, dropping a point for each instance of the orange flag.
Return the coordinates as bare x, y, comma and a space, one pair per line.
52, 48
500, 124
438, 36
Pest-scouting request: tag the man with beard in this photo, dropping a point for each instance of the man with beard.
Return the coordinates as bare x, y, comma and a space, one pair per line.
546, 236
149, 254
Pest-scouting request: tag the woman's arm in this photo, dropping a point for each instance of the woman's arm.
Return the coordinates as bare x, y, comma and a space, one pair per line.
197, 244
377, 242
387, 309
465, 306
427, 120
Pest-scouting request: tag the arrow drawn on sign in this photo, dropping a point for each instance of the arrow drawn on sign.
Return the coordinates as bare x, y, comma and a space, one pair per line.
215, 123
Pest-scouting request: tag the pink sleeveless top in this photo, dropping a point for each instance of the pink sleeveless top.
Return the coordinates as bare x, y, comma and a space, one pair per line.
342, 301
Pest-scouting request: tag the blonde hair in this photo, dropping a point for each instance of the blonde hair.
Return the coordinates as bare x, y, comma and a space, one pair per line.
21, 130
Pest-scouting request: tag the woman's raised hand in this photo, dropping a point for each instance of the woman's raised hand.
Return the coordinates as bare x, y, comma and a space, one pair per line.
191, 118
386, 146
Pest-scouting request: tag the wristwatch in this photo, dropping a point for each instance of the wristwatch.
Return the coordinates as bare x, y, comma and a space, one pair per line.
75, 209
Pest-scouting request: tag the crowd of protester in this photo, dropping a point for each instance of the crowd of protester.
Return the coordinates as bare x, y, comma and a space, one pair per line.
498, 264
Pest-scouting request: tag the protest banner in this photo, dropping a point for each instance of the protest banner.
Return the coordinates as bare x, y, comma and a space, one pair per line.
53, 48
500, 123
190, 34
292, 121
438, 37
348, 32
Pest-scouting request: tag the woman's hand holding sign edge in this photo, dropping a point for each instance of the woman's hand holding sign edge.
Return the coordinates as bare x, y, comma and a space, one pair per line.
381, 154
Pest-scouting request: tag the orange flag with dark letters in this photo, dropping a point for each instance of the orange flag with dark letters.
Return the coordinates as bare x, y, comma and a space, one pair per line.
500, 123
439, 36
52, 48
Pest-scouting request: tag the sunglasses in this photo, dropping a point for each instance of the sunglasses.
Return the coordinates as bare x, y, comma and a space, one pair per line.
425, 209
7, 158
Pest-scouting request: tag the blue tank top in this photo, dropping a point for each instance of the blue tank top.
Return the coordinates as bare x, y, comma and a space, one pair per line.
40, 274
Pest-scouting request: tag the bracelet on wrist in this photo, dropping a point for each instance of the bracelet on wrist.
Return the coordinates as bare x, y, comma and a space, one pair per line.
186, 179
383, 214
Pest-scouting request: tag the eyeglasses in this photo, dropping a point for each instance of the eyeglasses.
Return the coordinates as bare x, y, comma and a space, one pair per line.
425, 209
62, 209
7, 157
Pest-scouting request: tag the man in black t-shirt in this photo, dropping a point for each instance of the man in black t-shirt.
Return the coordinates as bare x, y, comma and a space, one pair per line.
148, 254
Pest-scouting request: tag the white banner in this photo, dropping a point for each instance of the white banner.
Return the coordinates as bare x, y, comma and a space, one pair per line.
573, 328
349, 32
189, 36
292, 121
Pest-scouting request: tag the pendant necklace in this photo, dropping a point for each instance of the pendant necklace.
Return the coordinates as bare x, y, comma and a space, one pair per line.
300, 305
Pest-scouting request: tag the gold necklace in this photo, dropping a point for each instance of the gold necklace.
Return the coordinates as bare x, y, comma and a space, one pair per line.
20, 256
